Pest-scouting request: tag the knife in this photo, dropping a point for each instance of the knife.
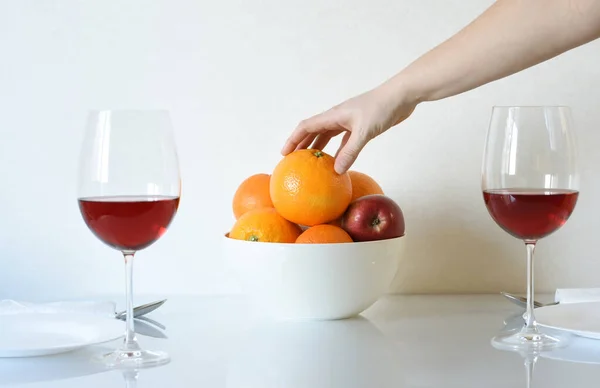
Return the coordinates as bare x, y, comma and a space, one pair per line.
149, 328
142, 310
520, 301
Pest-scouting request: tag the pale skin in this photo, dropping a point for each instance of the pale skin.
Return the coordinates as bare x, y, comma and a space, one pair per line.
510, 36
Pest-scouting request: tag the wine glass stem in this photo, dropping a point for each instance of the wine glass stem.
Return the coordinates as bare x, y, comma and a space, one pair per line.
531, 326
130, 339
529, 367
131, 377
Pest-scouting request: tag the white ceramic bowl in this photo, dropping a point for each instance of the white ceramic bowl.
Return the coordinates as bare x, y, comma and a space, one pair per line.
314, 281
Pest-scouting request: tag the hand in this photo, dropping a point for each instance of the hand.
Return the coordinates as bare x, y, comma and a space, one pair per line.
361, 119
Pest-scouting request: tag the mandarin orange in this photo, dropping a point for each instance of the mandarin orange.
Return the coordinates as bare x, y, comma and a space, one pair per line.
324, 234
252, 193
264, 225
362, 185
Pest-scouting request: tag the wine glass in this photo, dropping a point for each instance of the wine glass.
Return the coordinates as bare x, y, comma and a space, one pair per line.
129, 188
530, 187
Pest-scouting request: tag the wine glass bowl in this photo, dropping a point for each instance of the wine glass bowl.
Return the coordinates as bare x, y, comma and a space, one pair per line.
129, 189
530, 186
530, 214
128, 223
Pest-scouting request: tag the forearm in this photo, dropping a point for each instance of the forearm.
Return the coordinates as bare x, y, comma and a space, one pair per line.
510, 36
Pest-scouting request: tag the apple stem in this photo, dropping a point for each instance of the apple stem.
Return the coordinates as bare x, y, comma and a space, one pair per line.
375, 222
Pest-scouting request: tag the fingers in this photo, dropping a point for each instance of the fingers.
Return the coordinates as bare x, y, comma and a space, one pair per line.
307, 141
315, 125
343, 143
352, 144
323, 139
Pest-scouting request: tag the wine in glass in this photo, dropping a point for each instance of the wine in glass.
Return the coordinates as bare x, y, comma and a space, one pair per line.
129, 188
530, 187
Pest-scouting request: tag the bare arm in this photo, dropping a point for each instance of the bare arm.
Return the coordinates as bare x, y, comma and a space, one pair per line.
510, 36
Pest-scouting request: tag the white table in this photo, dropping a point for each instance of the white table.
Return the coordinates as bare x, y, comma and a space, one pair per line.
402, 341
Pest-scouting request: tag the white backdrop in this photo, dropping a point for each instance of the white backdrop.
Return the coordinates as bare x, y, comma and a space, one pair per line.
237, 75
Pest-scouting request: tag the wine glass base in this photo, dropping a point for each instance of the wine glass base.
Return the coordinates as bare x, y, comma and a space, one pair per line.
527, 341
133, 359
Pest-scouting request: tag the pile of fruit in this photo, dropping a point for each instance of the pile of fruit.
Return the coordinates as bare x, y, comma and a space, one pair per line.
305, 201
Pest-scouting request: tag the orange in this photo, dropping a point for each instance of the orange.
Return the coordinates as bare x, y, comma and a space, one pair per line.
324, 234
305, 188
253, 193
264, 225
362, 185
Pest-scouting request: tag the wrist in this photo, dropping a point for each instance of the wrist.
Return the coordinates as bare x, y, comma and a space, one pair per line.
405, 90
396, 101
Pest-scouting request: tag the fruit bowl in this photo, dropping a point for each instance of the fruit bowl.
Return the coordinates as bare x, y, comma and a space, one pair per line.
313, 281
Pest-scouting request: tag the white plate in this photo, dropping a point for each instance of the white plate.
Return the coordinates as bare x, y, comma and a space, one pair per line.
582, 319
29, 335
579, 350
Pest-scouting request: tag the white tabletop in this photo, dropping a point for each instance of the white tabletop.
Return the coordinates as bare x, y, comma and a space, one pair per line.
402, 341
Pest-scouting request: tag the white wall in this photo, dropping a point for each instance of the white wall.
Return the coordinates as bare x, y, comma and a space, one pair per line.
237, 76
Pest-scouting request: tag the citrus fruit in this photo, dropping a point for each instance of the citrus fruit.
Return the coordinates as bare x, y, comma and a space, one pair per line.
305, 188
264, 225
362, 185
324, 234
252, 193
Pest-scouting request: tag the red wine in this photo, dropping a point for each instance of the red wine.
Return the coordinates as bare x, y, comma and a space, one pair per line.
128, 223
530, 214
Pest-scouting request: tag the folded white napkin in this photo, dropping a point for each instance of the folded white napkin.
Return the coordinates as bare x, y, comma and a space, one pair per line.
10, 307
577, 295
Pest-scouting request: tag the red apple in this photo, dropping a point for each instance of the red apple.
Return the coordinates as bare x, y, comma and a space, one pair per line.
373, 217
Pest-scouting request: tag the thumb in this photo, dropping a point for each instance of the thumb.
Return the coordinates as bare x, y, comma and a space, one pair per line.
349, 150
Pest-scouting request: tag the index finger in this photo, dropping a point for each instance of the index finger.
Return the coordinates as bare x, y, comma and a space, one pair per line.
317, 124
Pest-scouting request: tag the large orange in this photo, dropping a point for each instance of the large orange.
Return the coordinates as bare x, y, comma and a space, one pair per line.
305, 188
253, 193
264, 225
324, 234
362, 185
